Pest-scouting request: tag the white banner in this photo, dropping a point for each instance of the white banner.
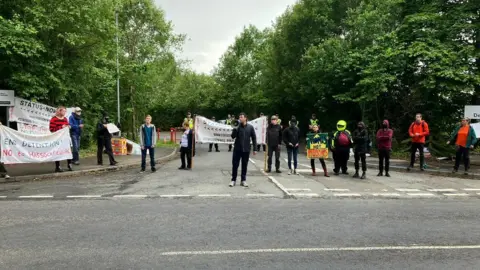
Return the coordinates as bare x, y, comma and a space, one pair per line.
476, 127
33, 113
32, 129
208, 131
17, 147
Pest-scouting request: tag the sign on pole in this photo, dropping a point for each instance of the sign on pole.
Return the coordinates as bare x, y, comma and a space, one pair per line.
7, 98
472, 111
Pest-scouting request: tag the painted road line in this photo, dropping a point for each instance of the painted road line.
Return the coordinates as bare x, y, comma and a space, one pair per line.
260, 195
299, 164
442, 189
387, 194
456, 194
251, 160
320, 249
421, 194
407, 189
298, 189
305, 194
214, 195
304, 170
280, 186
471, 189
175, 196
347, 195
3, 197
83, 196
131, 196
36, 197
337, 189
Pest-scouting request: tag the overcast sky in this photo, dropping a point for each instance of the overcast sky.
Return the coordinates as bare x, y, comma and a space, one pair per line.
211, 25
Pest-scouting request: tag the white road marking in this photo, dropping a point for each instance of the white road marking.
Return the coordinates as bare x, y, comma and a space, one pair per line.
298, 189
299, 164
3, 197
305, 194
36, 197
421, 194
347, 194
407, 189
175, 196
84, 196
387, 194
442, 189
471, 189
337, 189
280, 186
214, 195
260, 195
251, 160
132, 196
304, 170
455, 194
279, 250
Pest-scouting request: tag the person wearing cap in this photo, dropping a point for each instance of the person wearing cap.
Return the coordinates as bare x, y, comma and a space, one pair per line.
76, 124
464, 138
313, 121
263, 145
274, 139
188, 119
211, 145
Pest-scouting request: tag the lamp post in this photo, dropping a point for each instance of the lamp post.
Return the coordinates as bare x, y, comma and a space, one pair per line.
118, 71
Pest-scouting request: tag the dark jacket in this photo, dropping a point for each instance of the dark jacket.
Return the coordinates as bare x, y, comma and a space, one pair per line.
291, 135
242, 135
75, 121
384, 137
360, 139
274, 135
102, 132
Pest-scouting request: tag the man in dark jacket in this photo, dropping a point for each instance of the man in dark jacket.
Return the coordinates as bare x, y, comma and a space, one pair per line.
291, 138
104, 140
341, 144
274, 139
360, 141
241, 150
76, 124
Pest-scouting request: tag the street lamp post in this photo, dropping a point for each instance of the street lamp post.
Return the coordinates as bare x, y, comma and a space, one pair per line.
118, 72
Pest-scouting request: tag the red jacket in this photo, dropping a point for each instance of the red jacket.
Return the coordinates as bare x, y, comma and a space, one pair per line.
420, 128
57, 124
384, 137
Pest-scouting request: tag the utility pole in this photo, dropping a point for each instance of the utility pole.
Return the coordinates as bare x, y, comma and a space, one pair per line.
118, 72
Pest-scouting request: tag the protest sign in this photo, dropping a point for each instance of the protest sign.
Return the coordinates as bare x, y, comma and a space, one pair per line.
208, 131
32, 129
18, 147
33, 113
112, 128
317, 145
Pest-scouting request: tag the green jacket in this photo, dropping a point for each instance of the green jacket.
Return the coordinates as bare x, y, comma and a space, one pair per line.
471, 139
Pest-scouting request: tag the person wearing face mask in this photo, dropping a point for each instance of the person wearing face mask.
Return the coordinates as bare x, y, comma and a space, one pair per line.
274, 139
464, 138
360, 141
104, 140
341, 144
76, 124
384, 145
291, 138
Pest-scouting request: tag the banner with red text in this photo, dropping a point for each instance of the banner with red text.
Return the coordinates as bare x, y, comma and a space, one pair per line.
17, 147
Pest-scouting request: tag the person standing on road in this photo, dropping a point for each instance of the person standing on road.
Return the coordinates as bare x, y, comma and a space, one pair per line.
464, 138
3, 170
186, 146
148, 141
242, 134
341, 144
384, 145
59, 122
316, 130
418, 131
291, 138
274, 140
211, 145
313, 122
263, 145
76, 124
189, 119
360, 141
104, 140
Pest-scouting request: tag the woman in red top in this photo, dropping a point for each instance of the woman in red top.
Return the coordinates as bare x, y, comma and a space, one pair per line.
464, 138
58, 122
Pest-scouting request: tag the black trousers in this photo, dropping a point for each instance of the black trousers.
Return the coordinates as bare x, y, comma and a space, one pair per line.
413, 150
275, 149
322, 161
211, 145
363, 157
186, 153
237, 157
263, 146
465, 153
383, 160
106, 143
341, 157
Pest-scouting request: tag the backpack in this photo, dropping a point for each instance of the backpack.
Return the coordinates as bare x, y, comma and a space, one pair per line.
343, 139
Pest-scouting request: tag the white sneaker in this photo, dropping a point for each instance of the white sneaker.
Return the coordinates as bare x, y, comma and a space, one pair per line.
295, 172
232, 184
290, 172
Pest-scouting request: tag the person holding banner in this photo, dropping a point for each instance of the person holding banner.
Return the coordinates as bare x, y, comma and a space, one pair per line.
242, 134
58, 122
216, 144
291, 138
104, 140
274, 139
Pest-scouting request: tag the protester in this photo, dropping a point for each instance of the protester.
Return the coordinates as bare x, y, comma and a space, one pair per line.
418, 131
274, 140
211, 145
293, 119
360, 141
148, 141
316, 130
104, 140
76, 126
291, 138
263, 145
313, 121
464, 138
3, 170
241, 151
341, 144
186, 145
58, 122
384, 145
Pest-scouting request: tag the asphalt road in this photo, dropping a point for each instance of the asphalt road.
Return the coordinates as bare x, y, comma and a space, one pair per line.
175, 219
